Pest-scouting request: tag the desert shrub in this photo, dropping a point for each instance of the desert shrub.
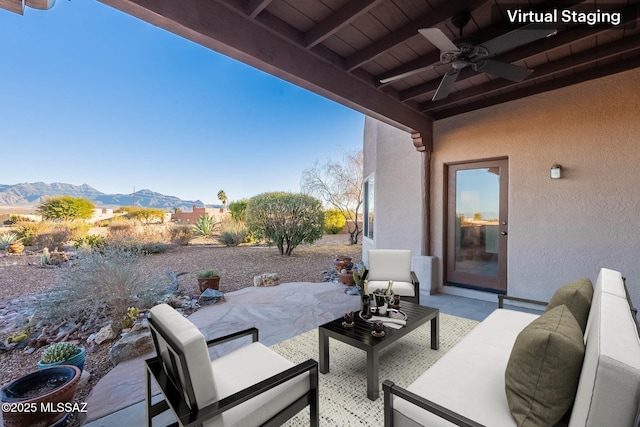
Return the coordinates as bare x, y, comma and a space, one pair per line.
143, 214
101, 286
181, 234
238, 209
334, 221
139, 239
286, 219
91, 241
28, 230
79, 229
234, 233
205, 226
66, 208
52, 236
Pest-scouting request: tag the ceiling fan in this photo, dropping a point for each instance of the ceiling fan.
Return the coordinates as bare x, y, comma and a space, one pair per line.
467, 52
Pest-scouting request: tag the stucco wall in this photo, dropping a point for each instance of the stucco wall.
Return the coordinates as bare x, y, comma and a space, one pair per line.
559, 230
389, 156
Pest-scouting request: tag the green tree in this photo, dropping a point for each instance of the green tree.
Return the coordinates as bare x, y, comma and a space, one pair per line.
66, 208
286, 219
333, 221
146, 215
238, 209
222, 197
339, 185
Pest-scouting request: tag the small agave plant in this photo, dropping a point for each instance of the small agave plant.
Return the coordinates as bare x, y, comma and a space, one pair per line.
7, 238
58, 352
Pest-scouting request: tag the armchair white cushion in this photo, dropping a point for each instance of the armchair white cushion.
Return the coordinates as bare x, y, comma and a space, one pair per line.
251, 386
393, 264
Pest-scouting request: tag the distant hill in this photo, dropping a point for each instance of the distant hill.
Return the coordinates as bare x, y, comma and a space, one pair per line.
33, 194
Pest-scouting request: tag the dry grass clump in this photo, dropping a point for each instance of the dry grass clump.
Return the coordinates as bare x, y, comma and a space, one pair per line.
101, 286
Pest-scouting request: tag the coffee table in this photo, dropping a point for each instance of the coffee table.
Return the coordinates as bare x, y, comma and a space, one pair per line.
360, 336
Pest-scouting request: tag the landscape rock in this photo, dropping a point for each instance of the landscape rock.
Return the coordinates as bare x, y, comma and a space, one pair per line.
210, 296
130, 346
266, 280
106, 333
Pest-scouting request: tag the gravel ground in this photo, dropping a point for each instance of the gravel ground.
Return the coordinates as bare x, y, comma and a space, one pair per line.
21, 275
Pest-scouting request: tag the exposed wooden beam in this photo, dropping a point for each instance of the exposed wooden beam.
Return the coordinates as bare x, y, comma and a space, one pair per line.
338, 20
231, 33
576, 60
591, 74
254, 7
16, 6
433, 18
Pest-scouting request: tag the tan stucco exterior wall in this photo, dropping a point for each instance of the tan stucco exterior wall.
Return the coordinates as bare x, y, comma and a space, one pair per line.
389, 156
559, 230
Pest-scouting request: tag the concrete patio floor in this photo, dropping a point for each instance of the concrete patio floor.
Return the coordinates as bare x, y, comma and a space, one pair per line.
279, 312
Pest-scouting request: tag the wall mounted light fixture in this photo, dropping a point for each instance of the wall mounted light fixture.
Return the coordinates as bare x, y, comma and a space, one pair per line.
556, 171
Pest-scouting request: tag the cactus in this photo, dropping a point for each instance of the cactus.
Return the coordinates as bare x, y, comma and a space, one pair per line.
131, 316
58, 352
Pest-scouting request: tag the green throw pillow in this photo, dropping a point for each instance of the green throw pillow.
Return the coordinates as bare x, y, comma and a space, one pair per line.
577, 297
542, 374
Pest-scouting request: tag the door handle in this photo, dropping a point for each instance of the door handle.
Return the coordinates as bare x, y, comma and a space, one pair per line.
504, 233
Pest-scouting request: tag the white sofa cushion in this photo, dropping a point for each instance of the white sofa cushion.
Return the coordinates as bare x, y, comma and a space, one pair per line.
609, 387
389, 264
246, 366
192, 343
468, 381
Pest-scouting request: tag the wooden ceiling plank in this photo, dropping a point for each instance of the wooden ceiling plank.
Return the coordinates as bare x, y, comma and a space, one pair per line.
254, 7
222, 29
569, 62
409, 30
338, 20
591, 74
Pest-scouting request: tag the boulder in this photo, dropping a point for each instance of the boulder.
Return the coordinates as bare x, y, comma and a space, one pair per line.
131, 345
106, 333
266, 280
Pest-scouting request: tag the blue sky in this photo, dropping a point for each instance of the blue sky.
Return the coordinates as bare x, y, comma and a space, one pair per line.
90, 95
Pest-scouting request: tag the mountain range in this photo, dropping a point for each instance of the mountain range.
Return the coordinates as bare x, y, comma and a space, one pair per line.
33, 194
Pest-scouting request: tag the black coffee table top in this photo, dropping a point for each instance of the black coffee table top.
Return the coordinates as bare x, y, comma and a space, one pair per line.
360, 335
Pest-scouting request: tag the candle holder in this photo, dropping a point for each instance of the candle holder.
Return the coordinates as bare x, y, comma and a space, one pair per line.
396, 302
348, 319
378, 328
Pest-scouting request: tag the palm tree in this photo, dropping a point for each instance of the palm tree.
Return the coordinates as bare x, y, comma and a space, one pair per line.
222, 197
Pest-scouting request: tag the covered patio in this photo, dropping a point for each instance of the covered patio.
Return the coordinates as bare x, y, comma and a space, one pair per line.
563, 93
579, 107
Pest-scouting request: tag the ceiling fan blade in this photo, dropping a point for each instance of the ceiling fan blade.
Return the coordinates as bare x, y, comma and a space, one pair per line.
439, 39
502, 69
446, 84
515, 38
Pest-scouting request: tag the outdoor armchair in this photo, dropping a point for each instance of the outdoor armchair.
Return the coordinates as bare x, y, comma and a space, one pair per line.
393, 264
251, 386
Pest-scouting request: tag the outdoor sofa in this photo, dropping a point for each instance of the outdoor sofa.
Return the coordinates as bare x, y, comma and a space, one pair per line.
521, 369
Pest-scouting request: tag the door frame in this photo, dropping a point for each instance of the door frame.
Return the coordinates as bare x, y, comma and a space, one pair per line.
486, 284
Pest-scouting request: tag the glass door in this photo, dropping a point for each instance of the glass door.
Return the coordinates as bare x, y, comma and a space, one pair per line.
477, 225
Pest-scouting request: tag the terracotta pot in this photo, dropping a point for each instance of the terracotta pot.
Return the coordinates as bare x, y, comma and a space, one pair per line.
23, 392
15, 248
346, 278
209, 283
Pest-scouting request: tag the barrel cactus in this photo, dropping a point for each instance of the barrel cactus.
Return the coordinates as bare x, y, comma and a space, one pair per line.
58, 352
